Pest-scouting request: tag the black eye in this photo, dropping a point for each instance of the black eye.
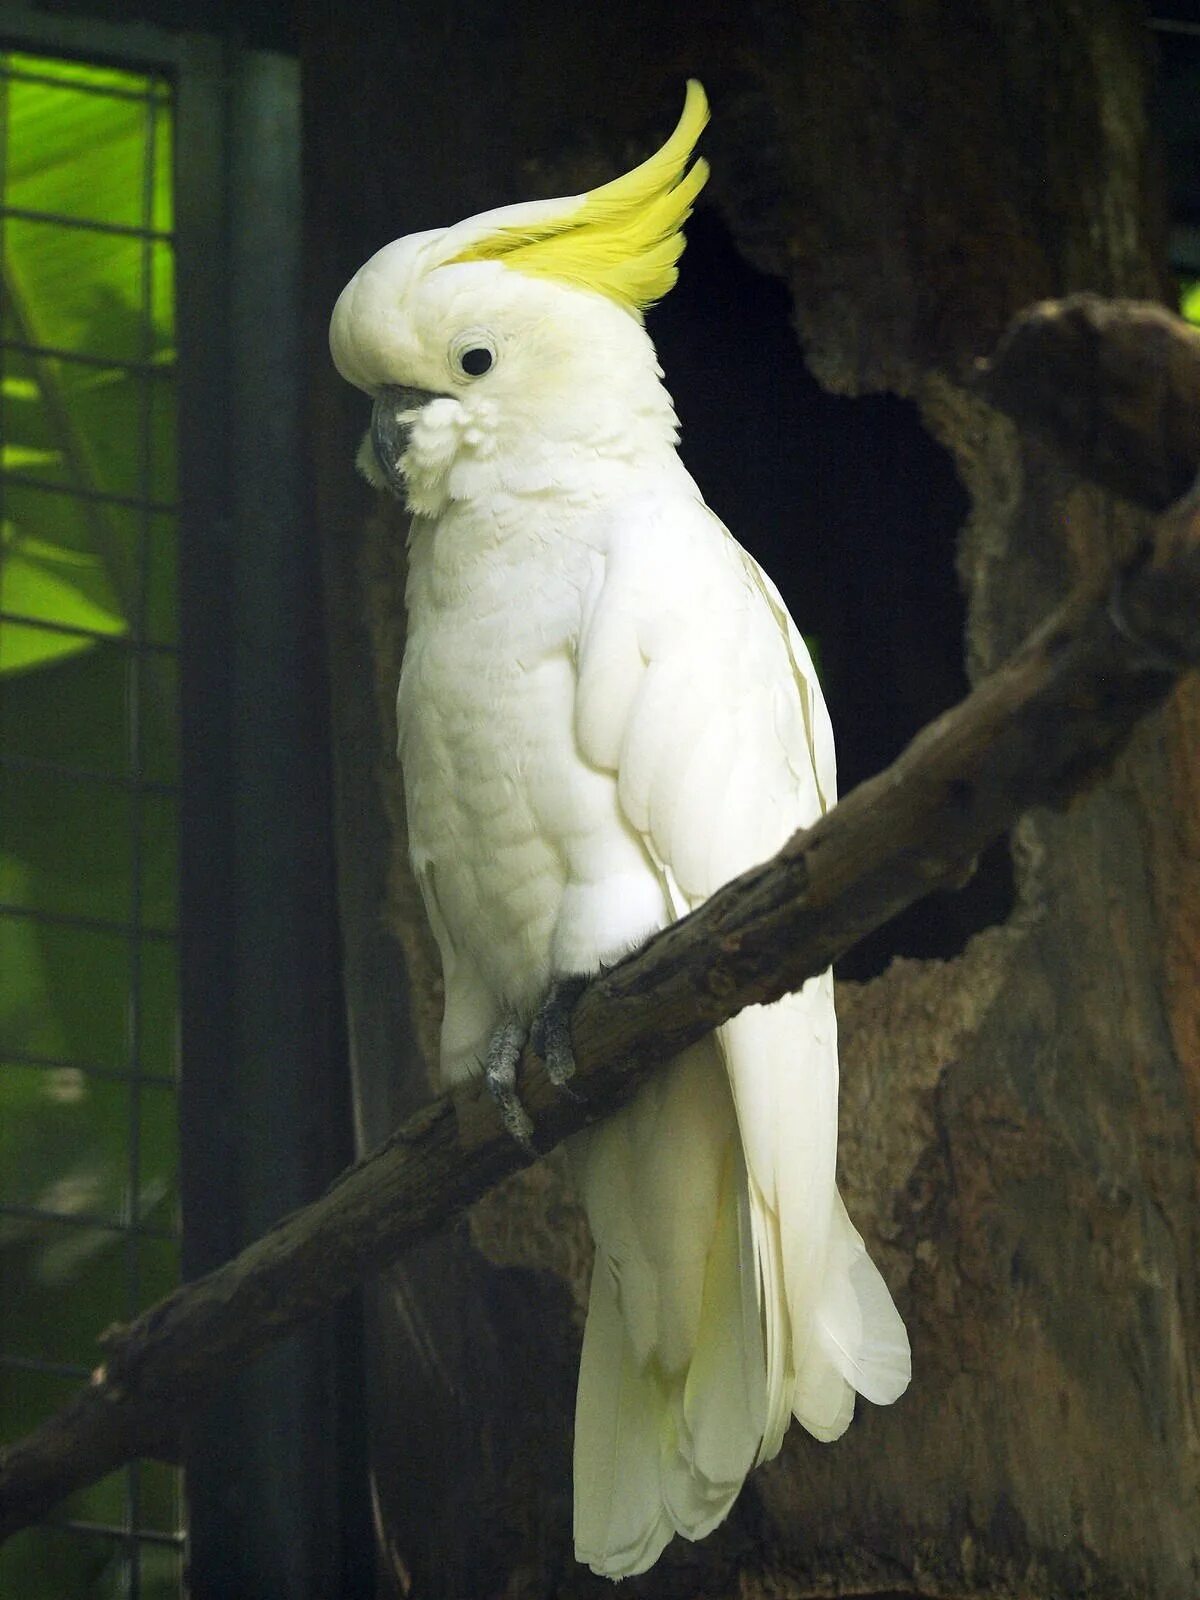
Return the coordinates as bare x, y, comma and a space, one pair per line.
476, 361
472, 352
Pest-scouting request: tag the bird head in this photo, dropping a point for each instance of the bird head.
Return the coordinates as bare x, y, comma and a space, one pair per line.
495, 348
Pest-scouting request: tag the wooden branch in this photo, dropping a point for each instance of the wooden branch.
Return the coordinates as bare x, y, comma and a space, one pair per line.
1035, 732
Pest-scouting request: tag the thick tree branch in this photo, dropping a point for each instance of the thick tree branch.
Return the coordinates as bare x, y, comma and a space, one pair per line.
1035, 732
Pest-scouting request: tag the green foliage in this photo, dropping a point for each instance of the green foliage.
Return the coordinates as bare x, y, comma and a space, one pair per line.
106, 295
1189, 300
88, 856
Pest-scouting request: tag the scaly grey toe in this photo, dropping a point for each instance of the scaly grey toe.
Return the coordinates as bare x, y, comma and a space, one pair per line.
500, 1071
550, 1034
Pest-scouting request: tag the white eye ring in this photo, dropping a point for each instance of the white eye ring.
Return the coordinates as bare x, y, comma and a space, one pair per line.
472, 353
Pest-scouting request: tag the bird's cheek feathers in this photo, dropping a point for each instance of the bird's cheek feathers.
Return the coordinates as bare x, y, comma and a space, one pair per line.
435, 441
451, 453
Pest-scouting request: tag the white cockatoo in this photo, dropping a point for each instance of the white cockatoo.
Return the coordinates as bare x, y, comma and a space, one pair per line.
605, 712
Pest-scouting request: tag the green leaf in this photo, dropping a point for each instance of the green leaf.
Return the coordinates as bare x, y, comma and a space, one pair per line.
41, 581
30, 649
16, 457
82, 154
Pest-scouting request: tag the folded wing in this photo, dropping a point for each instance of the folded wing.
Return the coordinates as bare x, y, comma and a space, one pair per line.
697, 691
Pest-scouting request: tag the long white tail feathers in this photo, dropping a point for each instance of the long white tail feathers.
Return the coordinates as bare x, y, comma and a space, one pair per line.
621, 1521
858, 1344
701, 1345
857, 1325
638, 1477
660, 1453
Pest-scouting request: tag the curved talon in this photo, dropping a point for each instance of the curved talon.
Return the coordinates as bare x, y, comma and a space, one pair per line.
500, 1071
550, 1034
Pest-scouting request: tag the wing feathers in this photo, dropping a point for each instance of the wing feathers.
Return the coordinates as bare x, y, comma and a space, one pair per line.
698, 692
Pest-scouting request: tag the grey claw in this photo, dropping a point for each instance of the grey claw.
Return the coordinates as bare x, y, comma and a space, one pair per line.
550, 1034
500, 1071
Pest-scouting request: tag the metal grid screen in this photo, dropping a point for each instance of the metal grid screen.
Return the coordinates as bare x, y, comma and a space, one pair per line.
88, 780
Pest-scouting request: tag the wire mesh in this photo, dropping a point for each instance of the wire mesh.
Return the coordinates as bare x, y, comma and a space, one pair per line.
93, 496
61, 220
89, 1051
82, 358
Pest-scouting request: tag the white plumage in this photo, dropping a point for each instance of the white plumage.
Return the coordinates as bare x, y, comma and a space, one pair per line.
605, 712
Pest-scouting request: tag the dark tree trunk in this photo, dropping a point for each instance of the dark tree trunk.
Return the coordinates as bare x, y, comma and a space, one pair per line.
1019, 1116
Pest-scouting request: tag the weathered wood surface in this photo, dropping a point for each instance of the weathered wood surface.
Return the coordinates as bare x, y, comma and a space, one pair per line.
1112, 387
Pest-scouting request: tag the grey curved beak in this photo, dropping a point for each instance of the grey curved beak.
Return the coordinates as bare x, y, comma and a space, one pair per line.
392, 417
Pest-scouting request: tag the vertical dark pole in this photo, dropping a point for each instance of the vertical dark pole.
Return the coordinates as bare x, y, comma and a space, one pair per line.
275, 1466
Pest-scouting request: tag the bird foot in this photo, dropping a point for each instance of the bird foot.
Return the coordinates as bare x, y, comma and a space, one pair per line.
500, 1073
550, 1036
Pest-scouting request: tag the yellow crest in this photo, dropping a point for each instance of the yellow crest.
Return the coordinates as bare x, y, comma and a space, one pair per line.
621, 240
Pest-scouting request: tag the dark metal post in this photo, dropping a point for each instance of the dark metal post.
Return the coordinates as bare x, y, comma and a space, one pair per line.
276, 1465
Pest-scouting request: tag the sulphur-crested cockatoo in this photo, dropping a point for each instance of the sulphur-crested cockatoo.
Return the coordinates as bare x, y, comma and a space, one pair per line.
605, 712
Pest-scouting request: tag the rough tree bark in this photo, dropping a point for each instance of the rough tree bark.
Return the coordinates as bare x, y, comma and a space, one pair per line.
1020, 1122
